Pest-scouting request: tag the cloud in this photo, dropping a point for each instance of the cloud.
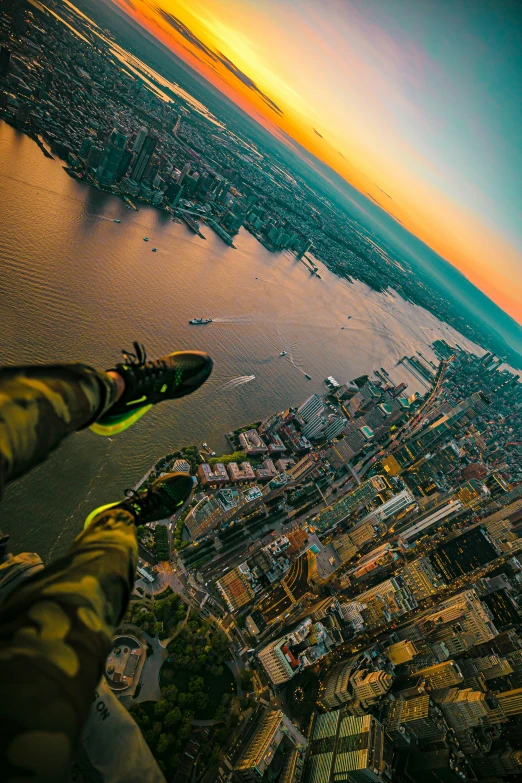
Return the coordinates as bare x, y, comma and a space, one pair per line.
246, 80
383, 191
216, 57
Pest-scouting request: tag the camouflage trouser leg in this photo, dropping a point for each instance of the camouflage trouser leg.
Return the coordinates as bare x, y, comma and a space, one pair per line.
56, 625
55, 634
40, 405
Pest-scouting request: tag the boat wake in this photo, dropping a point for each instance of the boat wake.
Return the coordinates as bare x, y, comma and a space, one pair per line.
239, 381
239, 319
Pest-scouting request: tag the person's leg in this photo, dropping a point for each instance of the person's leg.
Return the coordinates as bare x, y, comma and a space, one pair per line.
40, 405
56, 629
55, 633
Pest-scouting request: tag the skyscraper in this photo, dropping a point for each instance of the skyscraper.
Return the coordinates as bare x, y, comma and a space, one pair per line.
5, 57
138, 141
144, 156
184, 172
46, 83
345, 749
111, 158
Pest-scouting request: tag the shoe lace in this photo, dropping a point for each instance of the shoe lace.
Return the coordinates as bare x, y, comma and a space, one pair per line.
136, 358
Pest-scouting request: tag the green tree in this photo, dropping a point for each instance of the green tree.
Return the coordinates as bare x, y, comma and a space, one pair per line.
161, 708
173, 717
225, 459
156, 727
170, 693
164, 742
196, 684
174, 760
219, 713
245, 678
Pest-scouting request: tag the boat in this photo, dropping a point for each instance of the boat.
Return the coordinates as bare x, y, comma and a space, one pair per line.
205, 445
200, 321
349, 316
283, 353
145, 239
212, 453
308, 376
116, 220
154, 249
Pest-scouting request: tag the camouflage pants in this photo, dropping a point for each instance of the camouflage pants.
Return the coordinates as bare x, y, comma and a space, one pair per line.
56, 625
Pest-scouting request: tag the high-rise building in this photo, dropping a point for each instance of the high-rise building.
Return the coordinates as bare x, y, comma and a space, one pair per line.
510, 702
138, 141
463, 554
461, 614
422, 718
339, 511
441, 675
345, 749
401, 652
5, 58
315, 426
85, 148
284, 657
236, 589
368, 687
45, 86
421, 578
386, 601
111, 158
310, 408
270, 735
125, 163
185, 171
462, 708
143, 159
336, 690
334, 427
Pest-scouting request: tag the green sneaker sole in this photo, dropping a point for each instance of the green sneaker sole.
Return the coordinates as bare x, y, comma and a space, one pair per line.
113, 425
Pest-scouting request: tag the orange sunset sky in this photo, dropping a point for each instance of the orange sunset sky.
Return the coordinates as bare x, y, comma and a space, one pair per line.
411, 102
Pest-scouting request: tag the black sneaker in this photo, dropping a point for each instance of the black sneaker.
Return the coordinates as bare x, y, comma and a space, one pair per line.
162, 499
149, 382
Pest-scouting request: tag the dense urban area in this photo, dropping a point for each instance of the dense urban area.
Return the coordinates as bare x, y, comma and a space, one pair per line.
341, 598
126, 129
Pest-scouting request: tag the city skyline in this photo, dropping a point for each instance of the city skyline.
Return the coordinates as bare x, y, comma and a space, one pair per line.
414, 112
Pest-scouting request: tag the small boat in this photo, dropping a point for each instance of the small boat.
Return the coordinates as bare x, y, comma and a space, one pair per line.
200, 321
145, 239
283, 353
349, 316
212, 453
308, 376
154, 249
205, 445
116, 220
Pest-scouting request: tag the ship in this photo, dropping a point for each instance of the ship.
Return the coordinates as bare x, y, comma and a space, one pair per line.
308, 376
331, 382
200, 321
190, 222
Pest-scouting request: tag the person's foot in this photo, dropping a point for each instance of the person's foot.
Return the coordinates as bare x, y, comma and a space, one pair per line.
162, 499
149, 382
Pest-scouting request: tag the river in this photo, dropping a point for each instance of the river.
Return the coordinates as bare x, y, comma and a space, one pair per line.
75, 286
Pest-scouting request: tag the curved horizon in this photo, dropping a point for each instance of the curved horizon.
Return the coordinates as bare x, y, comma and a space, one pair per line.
417, 114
